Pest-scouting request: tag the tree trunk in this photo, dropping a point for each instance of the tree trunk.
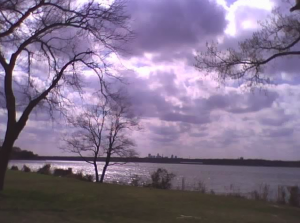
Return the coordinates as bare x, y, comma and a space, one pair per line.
96, 172
5, 153
103, 172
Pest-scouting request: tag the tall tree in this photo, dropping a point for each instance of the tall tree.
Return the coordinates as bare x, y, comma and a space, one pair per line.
102, 130
278, 37
45, 45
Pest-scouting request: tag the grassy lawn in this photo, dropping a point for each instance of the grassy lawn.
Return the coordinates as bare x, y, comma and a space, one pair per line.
34, 198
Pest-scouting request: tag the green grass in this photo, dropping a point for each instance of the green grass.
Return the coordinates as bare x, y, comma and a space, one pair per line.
34, 198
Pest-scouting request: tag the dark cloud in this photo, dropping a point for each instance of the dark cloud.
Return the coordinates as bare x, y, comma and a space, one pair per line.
233, 102
164, 134
166, 80
252, 102
278, 119
279, 132
177, 117
173, 28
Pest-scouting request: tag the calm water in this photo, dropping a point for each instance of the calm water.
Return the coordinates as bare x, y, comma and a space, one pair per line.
221, 179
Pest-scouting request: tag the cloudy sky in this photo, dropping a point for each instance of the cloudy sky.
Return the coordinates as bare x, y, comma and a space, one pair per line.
182, 111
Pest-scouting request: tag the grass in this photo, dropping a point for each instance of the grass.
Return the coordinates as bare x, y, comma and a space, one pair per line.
35, 198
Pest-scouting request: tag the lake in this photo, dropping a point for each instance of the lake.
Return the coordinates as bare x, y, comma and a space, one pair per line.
220, 179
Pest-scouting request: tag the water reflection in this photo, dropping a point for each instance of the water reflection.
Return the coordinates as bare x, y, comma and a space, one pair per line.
221, 179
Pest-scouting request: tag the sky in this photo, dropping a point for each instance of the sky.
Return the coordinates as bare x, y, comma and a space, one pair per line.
182, 111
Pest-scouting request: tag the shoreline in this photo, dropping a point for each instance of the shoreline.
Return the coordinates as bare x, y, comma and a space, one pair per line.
218, 162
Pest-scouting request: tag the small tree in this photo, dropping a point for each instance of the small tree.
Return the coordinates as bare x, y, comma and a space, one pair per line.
100, 130
87, 138
120, 121
44, 47
278, 37
161, 179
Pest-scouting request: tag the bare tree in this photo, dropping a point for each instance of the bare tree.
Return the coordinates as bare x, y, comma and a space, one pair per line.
101, 131
278, 37
45, 46
121, 121
86, 140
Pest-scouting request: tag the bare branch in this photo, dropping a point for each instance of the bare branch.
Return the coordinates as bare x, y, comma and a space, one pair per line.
44, 48
278, 37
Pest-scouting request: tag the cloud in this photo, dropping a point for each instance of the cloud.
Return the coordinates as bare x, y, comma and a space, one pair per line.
182, 112
172, 29
280, 132
274, 118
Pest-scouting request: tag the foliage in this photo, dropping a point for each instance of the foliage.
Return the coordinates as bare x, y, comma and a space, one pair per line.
18, 153
62, 172
281, 195
212, 192
136, 181
262, 193
26, 169
294, 199
83, 177
201, 187
161, 179
14, 168
46, 169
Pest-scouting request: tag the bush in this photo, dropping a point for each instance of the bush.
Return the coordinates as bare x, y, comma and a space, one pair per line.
161, 179
81, 176
136, 181
45, 169
119, 182
62, 172
294, 199
281, 195
262, 194
14, 168
201, 187
26, 169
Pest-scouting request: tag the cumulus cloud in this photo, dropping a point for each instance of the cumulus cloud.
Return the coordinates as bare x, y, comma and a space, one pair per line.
172, 29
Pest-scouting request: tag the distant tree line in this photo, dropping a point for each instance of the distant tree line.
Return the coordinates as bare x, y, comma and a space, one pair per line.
18, 153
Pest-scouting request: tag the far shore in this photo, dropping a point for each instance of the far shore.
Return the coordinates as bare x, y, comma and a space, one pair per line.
225, 162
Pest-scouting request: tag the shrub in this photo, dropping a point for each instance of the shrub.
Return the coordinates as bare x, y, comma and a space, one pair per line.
81, 176
262, 194
294, 199
26, 169
281, 195
161, 179
136, 181
119, 182
14, 168
89, 177
62, 172
201, 187
45, 169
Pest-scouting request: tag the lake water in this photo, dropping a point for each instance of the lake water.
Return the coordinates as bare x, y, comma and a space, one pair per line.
221, 179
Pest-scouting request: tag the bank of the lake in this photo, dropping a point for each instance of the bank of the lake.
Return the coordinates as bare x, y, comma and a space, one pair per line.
32, 198
220, 179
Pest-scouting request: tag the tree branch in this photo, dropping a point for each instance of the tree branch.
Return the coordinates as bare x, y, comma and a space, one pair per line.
21, 20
